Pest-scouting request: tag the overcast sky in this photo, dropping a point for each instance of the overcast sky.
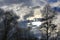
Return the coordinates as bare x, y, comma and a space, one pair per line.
27, 2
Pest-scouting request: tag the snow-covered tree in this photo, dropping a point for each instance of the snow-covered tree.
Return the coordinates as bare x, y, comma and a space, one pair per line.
49, 15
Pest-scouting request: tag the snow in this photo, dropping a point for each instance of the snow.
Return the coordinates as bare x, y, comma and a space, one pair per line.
38, 23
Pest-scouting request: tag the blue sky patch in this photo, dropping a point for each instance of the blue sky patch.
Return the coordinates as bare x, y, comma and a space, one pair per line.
52, 0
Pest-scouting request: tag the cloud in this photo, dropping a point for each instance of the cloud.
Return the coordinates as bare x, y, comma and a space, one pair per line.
38, 2
9, 2
26, 2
